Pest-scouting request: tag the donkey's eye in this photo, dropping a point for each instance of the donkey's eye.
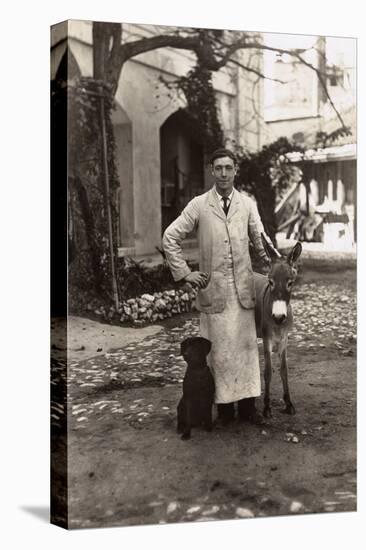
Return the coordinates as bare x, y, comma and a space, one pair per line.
289, 284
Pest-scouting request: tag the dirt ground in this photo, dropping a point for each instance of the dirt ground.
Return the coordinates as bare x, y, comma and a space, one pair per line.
128, 466
85, 338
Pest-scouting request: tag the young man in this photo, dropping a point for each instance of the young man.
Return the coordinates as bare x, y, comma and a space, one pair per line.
225, 221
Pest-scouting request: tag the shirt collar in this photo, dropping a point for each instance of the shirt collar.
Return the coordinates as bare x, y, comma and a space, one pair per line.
229, 196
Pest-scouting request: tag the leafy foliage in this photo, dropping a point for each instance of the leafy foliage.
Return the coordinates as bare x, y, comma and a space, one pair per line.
266, 174
325, 139
136, 278
201, 105
89, 270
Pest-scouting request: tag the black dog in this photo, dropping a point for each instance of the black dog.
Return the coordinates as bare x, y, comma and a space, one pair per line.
195, 407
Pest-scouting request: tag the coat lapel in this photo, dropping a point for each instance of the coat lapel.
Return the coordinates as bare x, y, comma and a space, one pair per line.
234, 206
215, 206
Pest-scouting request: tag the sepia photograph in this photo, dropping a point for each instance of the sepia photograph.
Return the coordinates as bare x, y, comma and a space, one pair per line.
203, 274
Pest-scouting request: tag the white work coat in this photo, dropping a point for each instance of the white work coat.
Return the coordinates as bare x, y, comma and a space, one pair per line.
216, 234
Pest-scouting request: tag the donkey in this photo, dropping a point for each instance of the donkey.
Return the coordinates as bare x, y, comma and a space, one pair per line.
273, 316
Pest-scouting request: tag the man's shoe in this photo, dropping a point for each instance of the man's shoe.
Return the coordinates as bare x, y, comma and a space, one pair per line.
256, 418
226, 420
247, 412
225, 413
245, 407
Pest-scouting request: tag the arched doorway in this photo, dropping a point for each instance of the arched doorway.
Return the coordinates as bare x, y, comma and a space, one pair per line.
182, 165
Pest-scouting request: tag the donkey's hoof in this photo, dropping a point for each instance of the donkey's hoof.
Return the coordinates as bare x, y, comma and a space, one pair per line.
186, 436
267, 412
289, 409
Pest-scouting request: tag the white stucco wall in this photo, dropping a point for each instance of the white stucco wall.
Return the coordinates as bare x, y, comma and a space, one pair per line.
145, 101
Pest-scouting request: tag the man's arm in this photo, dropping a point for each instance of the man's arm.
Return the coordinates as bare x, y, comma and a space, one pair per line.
255, 228
173, 237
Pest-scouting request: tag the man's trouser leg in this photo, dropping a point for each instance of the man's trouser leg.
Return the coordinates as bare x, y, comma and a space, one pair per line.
246, 408
225, 411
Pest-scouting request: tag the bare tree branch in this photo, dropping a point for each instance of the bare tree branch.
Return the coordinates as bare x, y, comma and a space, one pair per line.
121, 52
116, 35
244, 44
212, 47
256, 72
307, 64
100, 51
131, 49
114, 67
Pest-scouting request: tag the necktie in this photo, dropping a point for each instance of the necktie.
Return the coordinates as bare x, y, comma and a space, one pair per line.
226, 204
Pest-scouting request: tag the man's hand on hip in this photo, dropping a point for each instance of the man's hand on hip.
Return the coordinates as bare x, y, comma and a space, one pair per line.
197, 278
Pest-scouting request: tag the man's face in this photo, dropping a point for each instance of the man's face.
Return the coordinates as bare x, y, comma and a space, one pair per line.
223, 171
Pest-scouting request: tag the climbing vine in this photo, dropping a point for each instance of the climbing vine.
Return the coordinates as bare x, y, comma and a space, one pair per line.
201, 106
90, 268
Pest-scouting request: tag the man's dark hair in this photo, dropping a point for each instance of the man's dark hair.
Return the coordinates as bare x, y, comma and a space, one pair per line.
222, 153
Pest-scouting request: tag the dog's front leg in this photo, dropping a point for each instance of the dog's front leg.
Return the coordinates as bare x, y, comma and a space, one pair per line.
187, 420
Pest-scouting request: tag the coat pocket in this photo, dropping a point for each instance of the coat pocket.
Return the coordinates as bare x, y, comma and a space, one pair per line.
204, 295
214, 293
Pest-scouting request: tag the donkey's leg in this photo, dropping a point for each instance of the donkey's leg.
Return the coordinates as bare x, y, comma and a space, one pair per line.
267, 347
289, 409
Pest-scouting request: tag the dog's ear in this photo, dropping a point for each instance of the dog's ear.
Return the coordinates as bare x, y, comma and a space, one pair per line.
206, 345
184, 345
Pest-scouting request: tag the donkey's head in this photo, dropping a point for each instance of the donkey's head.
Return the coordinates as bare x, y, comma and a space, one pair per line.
281, 277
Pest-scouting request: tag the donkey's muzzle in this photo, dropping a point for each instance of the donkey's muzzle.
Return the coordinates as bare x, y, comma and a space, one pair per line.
279, 319
279, 311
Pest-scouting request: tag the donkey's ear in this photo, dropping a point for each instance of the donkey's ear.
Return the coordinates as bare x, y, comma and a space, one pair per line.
294, 254
269, 250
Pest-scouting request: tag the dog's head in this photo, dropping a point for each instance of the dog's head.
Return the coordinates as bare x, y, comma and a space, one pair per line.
195, 350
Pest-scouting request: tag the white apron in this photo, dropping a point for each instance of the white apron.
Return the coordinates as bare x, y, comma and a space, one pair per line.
233, 359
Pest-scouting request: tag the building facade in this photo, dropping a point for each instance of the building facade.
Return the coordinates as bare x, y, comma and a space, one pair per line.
300, 110
160, 160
